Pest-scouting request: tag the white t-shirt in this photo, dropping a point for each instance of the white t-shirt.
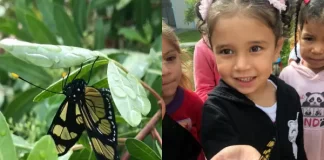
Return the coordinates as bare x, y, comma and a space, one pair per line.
270, 111
292, 54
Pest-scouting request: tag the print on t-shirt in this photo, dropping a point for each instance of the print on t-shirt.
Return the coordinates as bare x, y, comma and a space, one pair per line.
313, 109
186, 123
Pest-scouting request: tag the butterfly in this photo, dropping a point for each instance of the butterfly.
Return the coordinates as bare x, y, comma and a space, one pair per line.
85, 108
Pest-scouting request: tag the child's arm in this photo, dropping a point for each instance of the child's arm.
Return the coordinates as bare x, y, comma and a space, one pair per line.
216, 131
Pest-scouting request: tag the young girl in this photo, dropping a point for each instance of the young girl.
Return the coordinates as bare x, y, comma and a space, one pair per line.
250, 106
307, 76
205, 70
182, 105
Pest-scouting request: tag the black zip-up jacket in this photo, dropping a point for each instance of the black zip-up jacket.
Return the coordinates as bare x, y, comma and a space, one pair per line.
178, 142
230, 118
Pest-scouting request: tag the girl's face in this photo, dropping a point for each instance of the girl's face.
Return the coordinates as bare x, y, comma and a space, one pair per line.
312, 46
245, 50
171, 70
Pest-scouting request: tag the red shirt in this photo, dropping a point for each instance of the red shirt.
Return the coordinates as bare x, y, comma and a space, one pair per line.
206, 75
186, 109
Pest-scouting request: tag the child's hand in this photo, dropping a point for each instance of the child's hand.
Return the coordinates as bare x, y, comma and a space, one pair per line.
238, 152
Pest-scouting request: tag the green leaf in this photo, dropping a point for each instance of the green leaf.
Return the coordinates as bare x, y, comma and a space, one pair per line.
151, 143
39, 31
83, 154
157, 44
21, 105
60, 2
155, 81
34, 74
158, 148
116, 54
4, 77
66, 29
132, 34
21, 12
79, 13
148, 31
44, 149
142, 10
7, 149
84, 141
57, 86
50, 56
66, 156
137, 64
21, 3
128, 94
99, 34
8, 26
101, 84
98, 4
156, 58
21, 144
119, 119
122, 3
2, 95
46, 8
140, 150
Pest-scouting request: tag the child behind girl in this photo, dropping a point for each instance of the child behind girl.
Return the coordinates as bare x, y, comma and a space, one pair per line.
206, 75
307, 76
182, 105
250, 106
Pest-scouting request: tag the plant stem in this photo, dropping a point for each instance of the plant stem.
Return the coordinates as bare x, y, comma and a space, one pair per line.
156, 136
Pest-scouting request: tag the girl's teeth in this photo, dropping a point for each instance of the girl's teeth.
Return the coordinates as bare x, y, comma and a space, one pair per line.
246, 79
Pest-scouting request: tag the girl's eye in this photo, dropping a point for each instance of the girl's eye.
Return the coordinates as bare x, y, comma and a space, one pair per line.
255, 49
170, 59
226, 51
308, 38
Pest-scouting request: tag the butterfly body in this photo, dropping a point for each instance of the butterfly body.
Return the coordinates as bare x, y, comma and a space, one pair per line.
75, 91
86, 108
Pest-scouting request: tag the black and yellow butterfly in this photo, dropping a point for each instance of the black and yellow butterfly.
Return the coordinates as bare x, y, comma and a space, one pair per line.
85, 108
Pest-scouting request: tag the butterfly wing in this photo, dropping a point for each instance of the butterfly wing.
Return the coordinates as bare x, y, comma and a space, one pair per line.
67, 126
99, 119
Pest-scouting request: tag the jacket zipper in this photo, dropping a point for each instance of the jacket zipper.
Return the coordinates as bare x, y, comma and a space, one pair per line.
275, 130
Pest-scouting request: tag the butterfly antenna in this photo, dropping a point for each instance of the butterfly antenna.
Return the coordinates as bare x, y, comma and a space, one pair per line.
67, 77
91, 69
16, 76
78, 72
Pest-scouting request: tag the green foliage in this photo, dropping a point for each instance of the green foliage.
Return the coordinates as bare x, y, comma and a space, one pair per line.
7, 149
285, 53
44, 149
29, 127
190, 14
140, 150
131, 30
